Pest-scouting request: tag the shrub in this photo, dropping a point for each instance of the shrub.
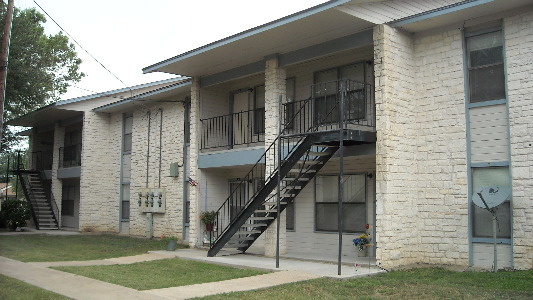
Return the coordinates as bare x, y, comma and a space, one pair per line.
15, 213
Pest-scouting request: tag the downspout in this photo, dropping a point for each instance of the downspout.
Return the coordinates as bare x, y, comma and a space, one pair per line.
149, 216
160, 143
186, 143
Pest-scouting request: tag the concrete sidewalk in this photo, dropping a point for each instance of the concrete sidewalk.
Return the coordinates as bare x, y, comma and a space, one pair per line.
70, 285
79, 287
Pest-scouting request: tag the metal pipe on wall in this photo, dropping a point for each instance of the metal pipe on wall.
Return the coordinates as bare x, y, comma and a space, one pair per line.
160, 143
149, 216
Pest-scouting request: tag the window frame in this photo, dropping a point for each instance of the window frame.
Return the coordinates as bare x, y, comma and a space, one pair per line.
125, 150
344, 203
479, 31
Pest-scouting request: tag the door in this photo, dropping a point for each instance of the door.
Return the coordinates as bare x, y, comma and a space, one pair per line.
241, 119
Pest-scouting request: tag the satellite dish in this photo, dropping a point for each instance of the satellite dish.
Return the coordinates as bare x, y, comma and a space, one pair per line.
493, 196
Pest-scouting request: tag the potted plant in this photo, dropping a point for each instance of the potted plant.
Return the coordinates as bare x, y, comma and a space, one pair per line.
361, 241
208, 218
171, 241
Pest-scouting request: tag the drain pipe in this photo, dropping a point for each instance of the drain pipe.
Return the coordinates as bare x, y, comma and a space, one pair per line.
185, 162
149, 216
160, 143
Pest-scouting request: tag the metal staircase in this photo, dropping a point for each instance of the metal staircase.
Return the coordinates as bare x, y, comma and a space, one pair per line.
43, 206
308, 139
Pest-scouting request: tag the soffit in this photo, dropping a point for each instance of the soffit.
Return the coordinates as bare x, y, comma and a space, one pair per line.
311, 30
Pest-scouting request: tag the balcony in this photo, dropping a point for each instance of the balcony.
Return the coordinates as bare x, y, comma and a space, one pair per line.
233, 130
40, 160
69, 156
320, 112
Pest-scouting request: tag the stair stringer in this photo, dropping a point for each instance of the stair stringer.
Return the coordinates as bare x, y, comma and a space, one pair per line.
30, 192
261, 196
284, 201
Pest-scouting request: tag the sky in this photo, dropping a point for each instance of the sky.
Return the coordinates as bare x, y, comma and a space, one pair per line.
128, 35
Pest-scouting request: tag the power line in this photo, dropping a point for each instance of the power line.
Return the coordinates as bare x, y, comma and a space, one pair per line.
70, 36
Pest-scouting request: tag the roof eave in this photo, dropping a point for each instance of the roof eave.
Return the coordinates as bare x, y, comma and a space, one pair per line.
279, 22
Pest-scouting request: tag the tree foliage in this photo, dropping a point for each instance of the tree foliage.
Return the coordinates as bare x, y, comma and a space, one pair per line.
40, 69
15, 213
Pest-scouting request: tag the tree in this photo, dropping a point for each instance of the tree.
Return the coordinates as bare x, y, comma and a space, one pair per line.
41, 67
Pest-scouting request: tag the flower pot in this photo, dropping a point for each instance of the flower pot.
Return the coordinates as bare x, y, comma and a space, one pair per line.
209, 226
171, 245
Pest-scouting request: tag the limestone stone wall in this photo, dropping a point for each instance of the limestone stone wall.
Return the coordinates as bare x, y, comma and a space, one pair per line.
57, 184
518, 32
274, 88
100, 171
441, 170
421, 180
150, 166
396, 222
195, 230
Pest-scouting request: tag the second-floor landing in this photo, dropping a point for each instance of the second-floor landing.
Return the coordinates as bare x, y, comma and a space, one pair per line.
336, 110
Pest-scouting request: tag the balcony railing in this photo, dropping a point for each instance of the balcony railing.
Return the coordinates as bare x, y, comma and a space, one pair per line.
319, 112
228, 131
70, 156
41, 160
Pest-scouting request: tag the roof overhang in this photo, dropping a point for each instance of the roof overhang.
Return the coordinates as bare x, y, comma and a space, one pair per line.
311, 27
45, 116
168, 93
462, 13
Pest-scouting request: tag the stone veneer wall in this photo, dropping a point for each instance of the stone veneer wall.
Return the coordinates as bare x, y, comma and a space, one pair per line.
518, 32
274, 88
195, 230
57, 184
441, 170
422, 203
100, 171
166, 147
396, 222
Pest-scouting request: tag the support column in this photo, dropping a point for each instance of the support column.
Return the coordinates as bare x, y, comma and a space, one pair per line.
195, 229
274, 88
57, 184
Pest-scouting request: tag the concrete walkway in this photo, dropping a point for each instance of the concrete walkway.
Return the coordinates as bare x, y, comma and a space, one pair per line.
79, 287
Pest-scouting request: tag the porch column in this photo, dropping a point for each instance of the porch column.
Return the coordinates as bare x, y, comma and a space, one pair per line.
195, 229
274, 88
57, 184
396, 164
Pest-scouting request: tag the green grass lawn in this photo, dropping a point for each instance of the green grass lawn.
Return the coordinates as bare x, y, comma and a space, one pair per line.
37, 248
15, 289
412, 284
161, 273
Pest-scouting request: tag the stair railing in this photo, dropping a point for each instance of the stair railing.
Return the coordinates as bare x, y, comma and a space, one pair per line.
317, 113
50, 198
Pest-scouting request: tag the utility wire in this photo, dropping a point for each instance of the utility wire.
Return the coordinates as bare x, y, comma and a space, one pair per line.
70, 36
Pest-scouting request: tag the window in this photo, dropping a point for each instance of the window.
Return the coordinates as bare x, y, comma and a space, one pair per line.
126, 167
354, 204
67, 200
289, 222
239, 196
482, 219
486, 78
259, 109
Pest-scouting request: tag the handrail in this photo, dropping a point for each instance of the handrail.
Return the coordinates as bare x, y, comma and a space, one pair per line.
70, 156
227, 131
291, 137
